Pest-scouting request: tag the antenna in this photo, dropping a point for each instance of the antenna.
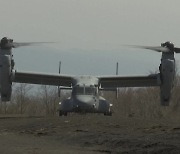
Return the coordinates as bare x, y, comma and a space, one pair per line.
59, 67
117, 65
117, 89
59, 90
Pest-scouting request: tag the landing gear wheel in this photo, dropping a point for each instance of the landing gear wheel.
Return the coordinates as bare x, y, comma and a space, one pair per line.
108, 113
60, 113
65, 113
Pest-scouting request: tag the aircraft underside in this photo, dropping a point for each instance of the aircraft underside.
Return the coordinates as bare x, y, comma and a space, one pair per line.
99, 105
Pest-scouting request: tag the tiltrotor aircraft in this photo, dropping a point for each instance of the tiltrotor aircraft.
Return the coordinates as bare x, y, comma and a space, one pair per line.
85, 89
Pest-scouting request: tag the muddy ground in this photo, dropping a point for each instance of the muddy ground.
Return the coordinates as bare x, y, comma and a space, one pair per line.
88, 134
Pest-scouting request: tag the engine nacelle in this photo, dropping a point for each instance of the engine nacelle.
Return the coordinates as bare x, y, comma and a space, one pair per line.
167, 70
5, 77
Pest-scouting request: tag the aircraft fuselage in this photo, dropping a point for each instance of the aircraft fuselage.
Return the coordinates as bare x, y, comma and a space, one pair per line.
85, 98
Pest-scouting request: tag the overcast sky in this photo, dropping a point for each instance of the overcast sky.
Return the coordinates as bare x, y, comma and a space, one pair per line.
90, 33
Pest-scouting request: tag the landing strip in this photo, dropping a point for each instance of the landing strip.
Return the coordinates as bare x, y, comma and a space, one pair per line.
88, 134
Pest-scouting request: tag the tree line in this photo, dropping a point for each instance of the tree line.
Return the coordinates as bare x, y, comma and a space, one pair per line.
43, 100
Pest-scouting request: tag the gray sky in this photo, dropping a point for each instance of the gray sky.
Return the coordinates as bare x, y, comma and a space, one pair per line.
90, 33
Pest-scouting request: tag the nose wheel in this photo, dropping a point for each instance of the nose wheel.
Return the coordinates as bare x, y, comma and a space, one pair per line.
61, 113
108, 113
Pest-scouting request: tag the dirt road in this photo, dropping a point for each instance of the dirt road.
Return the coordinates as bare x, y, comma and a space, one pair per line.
88, 134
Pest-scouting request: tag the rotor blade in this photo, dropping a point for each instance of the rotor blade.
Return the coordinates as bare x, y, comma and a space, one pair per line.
155, 48
177, 50
21, 44
158, 48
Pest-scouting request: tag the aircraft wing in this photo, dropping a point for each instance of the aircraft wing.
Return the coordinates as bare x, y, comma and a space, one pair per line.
132, 81
42, 78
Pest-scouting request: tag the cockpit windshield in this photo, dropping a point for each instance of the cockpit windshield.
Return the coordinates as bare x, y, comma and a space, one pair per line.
90, 90
79, 90
85, 90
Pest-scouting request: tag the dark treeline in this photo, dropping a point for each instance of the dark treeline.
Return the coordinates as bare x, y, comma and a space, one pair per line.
139, 102
32, 100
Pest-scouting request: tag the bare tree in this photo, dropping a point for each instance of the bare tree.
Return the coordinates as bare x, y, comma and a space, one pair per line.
21, 96
49, 97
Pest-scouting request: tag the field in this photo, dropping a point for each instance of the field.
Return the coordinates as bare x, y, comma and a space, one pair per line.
30, 125
88, 134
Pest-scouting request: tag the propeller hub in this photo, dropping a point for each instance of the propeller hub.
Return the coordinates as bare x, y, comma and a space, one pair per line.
6, 43
168, 45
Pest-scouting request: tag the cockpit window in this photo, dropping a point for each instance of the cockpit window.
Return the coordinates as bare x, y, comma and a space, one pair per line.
79, 90
90, 90
85, 90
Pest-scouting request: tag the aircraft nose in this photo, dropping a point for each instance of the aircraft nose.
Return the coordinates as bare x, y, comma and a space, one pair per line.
86, 101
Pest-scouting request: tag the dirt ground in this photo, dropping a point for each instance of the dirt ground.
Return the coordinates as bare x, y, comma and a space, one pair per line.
88, 134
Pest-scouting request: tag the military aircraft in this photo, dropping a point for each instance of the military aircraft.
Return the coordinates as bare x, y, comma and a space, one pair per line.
85, 89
